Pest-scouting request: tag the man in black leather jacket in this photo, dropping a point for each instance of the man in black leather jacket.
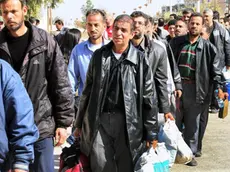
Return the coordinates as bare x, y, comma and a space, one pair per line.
199, 67
157, 57
117, 112
220, 38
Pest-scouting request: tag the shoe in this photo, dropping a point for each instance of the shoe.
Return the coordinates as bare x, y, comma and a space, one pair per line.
213, 110
192, 163
198, 154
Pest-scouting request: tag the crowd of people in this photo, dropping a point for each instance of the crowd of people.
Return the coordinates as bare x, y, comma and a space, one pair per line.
112, 87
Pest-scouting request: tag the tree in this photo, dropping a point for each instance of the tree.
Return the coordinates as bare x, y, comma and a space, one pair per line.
211, 4
88, 6
35, 6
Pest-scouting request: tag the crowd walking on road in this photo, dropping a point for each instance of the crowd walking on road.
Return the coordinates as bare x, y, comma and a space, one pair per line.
111, 88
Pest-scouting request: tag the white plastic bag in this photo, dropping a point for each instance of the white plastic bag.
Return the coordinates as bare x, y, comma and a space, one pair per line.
169, 135
162, 165
154, 160
184, 153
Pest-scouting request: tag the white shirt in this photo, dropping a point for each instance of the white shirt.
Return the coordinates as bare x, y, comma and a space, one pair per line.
94, 47
117, 55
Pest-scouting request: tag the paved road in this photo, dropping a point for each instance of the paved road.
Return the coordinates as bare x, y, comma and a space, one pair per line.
216, 149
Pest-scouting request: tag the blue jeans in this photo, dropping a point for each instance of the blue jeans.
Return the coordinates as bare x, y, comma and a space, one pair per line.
43, 152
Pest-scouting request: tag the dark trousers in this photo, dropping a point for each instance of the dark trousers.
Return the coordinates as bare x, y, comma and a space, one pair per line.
190, 112
203, 125
43, 152
213, 98
110, 152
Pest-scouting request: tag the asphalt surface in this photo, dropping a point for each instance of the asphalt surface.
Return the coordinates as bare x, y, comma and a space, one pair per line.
216, 149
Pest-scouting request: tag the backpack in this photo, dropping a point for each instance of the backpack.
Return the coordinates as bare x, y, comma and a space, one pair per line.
73, 160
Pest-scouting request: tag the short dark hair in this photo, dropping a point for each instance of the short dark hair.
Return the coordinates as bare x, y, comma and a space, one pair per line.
95, 11
23, 2
216, 15
172, 22
151, 20
196, 15
187, 11
180, 19
161, 22
59, 21
32, 20
140, 14
37, 21
125, 18
226, 20
174, 15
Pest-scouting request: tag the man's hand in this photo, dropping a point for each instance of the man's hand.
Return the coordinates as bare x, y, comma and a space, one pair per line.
169, 116
228, 68
222, 95
18, 170
77, 132
61, 136
154, 144
178, 93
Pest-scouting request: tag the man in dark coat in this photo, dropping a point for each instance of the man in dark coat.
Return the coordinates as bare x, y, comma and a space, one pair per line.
117, 112
157, 57
199, 66
220, 38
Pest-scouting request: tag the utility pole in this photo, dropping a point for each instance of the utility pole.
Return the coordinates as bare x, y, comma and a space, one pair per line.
228, 1
49, 18
198, 6
170, 6
214, 4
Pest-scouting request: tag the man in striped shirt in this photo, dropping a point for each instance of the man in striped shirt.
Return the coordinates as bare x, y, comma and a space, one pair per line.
187, 60
199, 67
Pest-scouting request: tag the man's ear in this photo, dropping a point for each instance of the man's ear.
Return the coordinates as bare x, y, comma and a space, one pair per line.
25, 9
131, 35
105, 26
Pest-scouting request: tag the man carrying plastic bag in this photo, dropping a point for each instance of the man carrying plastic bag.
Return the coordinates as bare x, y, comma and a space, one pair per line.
154, 160
174, 143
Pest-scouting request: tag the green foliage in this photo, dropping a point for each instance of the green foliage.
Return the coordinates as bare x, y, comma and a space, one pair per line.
86, 7
212, 5
166, 15
35, 6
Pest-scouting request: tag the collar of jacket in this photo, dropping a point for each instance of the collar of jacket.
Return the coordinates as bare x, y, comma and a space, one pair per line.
145, 45
219, 31
216, 26
200, 44
200, 40
87, 42
147, 42
130, 53
36, 39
